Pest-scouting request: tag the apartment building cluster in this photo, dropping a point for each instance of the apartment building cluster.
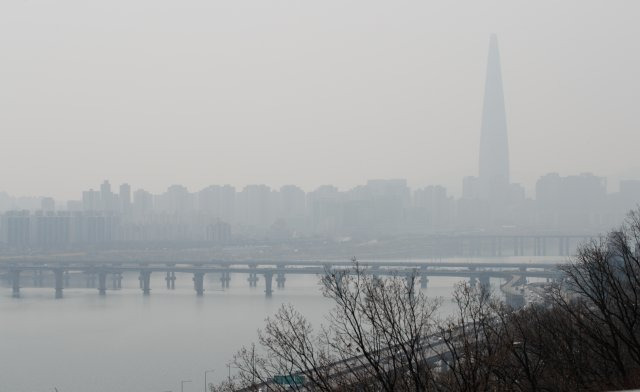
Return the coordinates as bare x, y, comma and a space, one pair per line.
222, 214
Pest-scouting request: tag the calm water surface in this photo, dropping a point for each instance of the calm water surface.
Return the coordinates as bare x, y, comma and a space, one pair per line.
127, 342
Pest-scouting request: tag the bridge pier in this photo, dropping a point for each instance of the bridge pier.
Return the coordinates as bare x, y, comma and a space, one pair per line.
58, 275
410, 279
280, 279
225, 278
116, 280
268, 281
473, 279
171, 280
102, 283
145, 282
198, 283
485, 280
523, 277
15, 283
253, 279
424, 280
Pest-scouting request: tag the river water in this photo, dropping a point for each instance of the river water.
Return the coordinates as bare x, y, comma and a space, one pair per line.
125, 341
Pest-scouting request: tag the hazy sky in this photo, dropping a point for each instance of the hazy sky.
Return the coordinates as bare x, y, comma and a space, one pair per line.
199, 92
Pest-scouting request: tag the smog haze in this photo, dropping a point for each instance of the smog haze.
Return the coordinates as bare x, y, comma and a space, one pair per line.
156, 93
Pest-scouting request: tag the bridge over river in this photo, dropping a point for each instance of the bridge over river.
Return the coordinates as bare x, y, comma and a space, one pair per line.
98, 275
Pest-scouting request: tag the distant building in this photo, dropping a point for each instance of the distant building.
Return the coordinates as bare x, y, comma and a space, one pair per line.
47, 204
218, 201
91, 200
377, 208
292, 207
493, 178
16, 229
571, 201
142, 203
470, 188
107, 197
325, 210
52, 230
218, 233
629, 194
124, 197
435, 207
176, 200
490, 200
254, 206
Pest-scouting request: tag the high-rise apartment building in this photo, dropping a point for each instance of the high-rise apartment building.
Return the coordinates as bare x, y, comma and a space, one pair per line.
124, 197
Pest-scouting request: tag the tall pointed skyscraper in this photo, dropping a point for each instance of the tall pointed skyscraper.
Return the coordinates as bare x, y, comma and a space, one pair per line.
493, 179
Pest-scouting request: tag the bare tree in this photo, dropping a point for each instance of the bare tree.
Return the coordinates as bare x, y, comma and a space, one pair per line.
601, 295
474, 348
382, 334
376, 337
383, 326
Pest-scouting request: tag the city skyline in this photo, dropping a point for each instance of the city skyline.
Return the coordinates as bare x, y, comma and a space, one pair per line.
492, 181
217, 214
611, 187
311, 103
